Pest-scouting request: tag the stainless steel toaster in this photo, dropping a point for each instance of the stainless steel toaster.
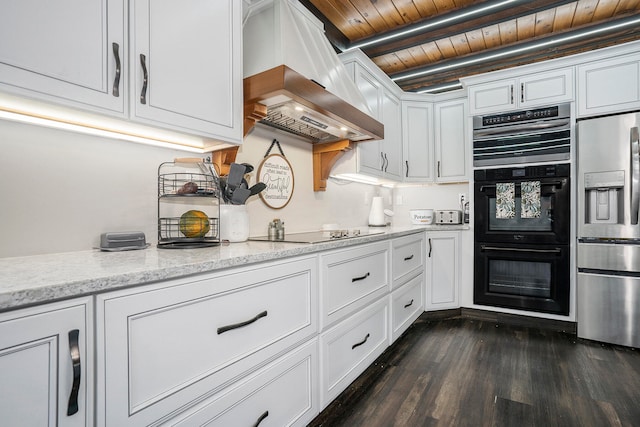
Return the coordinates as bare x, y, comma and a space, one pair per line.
448, 217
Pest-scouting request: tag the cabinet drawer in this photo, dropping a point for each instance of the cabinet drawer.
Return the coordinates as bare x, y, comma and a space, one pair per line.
350, 347
284, 393
407, 258
407, 303
353, 278
165, 347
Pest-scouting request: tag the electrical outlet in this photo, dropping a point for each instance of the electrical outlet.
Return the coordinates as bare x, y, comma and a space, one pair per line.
462, 198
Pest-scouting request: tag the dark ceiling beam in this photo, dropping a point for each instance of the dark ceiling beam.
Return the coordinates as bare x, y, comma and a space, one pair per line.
339, 41
543, 54
450, 29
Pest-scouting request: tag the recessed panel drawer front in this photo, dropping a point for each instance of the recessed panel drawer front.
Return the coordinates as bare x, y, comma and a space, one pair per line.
282, 394
353, 278
165, 347
406, 305
407, 258
351, 346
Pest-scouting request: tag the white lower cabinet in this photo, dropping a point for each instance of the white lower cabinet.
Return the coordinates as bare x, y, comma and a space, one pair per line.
164, 348
407, 304
349, 347
46, 365
443, 270
351, 279
284, 393
407, 258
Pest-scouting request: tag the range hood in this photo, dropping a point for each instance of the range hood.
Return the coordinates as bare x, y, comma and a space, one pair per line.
294, 80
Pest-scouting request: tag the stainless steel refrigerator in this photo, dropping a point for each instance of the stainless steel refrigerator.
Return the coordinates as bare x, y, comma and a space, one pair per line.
608, 280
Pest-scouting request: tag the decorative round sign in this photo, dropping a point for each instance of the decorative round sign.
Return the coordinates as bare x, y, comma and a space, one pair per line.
276, 172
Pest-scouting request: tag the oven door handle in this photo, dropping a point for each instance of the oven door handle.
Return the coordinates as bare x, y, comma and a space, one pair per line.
539, 251
542, 184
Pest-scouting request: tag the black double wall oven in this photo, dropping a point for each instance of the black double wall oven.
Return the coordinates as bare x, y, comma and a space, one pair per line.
522, 213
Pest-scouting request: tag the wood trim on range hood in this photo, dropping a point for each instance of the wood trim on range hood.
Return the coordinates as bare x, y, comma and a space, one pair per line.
272, 88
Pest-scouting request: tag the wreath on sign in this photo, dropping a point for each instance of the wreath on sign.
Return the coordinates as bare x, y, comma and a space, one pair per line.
277, 174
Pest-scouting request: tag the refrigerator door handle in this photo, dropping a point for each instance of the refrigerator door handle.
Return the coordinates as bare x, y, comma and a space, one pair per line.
635, 175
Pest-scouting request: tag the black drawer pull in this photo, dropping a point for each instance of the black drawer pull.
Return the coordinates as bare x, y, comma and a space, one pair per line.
74, 351
409, 304
145, 79
116, 81
408, 258
224, 329
261, 418
356, 279
358, 344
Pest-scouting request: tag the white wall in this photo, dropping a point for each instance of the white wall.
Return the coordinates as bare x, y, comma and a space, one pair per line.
60, 190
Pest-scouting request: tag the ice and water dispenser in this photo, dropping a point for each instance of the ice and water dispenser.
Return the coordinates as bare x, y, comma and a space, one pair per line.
604, 197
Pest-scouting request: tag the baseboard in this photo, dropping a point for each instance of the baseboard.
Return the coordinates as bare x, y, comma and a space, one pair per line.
503, 318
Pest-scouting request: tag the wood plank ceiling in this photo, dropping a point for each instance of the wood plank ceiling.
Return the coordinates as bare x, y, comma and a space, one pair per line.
450, 39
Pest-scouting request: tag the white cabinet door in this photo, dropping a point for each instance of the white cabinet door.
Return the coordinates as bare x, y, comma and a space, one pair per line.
546, 88
450, 141
70, 52
407, 304
443, 270
46, 366
392, 143
348, 348
417, 136
369, 155
186, 59
609, 86
492, 97
537, 89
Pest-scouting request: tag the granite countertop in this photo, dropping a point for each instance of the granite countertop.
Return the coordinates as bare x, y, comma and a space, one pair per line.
43, 278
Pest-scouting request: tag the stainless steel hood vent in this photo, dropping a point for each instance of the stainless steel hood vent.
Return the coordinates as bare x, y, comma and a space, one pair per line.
294, 80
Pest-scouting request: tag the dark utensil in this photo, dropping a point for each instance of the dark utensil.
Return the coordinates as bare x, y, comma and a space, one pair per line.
240, 196
236, 175
256, 188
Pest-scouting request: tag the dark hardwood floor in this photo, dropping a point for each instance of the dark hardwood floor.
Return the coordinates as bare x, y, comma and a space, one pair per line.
466, 372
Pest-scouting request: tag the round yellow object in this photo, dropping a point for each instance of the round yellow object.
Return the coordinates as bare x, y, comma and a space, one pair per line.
194, 224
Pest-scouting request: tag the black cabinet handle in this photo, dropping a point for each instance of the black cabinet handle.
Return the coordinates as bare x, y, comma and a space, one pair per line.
408, 258
356, 279
386, 162
261, 418
145, 81
358, 344
409, 304
522, 92
429, 248
223, 329
407, 163
382, 160
74, 351
438, 168
511, 94
116, 80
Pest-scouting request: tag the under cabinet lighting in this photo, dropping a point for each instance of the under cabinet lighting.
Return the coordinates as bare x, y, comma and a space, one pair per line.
18, 109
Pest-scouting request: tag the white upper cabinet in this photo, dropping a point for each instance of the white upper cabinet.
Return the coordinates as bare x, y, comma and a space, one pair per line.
69, 52
609, 86
417, 135
540, 88
378, 158
186, 64
450, 141
434, 140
